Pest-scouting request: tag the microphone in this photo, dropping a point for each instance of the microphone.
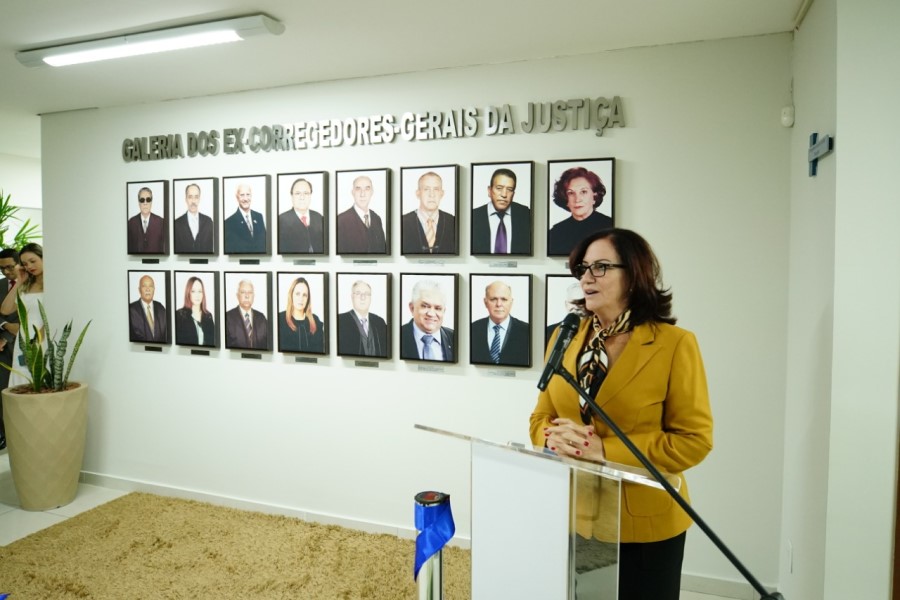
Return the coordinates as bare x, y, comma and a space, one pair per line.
567, 331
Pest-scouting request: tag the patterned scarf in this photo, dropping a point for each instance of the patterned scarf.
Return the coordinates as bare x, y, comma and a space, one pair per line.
594, 361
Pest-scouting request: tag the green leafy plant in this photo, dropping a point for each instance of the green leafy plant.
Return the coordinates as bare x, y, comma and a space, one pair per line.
46, 369
26, 234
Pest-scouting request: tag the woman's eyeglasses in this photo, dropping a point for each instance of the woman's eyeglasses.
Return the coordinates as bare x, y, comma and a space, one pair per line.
597, 269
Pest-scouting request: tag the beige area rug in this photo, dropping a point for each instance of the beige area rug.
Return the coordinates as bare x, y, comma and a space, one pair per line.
142, 546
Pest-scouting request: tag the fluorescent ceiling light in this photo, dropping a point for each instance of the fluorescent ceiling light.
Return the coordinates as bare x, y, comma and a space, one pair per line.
150, 42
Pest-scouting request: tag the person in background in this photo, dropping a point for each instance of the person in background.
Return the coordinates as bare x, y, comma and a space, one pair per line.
29, 287
299, 330
648, 376
9, 258
194, 323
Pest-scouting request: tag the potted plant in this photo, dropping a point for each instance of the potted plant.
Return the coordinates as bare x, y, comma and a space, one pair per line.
28, 232
46, 419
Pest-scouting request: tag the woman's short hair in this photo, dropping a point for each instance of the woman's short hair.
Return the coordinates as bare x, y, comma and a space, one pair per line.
647, 298
562, 184
289, 309
187, 294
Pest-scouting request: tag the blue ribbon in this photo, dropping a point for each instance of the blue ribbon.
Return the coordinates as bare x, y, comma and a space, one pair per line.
4, 596
436, 527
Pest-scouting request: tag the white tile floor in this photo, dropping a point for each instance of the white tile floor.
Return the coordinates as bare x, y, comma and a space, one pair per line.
16, 523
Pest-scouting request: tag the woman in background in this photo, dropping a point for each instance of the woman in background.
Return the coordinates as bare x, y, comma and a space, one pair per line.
30, 288
194, 324
580, 192
299, 330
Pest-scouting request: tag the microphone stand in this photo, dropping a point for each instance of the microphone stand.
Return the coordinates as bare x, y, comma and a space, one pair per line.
764, 594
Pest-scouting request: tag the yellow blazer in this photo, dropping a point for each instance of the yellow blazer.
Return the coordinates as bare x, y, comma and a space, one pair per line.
656, 393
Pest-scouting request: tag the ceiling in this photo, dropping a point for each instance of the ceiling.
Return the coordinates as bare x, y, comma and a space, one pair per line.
339, 39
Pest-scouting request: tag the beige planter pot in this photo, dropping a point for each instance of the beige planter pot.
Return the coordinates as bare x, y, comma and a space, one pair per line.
45, 434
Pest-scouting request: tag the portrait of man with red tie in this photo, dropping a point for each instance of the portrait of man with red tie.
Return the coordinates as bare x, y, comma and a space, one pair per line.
302, 226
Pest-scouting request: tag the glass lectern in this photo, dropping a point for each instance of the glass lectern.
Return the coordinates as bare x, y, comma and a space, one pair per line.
544, 526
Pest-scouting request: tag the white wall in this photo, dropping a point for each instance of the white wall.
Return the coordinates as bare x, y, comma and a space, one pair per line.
863, 439
810, 311
702, 171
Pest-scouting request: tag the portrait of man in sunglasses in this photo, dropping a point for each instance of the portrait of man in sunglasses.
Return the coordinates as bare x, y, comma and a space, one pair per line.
147, 231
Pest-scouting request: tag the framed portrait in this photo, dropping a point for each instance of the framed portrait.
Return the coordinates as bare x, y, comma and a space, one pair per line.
246, 205
564, 295
303, 213
147, 214
196, 228
363, 207
148, 307
500, 327
196, 301
502, 195
247, 298
363, 305
302, 312
428, 317
429, 204
580, 201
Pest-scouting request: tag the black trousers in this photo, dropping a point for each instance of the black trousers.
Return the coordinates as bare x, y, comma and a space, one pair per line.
651, 570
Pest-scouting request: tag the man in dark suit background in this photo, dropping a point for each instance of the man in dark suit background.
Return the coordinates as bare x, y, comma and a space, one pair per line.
515, 219
360, 332
147, 318
424, 337
301, 230
9, 258
193, 230
246, 327
428, 230
147, 231
359, 230
245, 230
500, 338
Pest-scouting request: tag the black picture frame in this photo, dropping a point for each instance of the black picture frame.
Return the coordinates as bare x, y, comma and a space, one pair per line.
564, 230
295, 236
559, 295
309, 335
438, 287
235, 333
420, 188
206, 240
352, 235
518, 207
154, 239
371, 339
188, 330
237, 235
502, 300
140, 328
